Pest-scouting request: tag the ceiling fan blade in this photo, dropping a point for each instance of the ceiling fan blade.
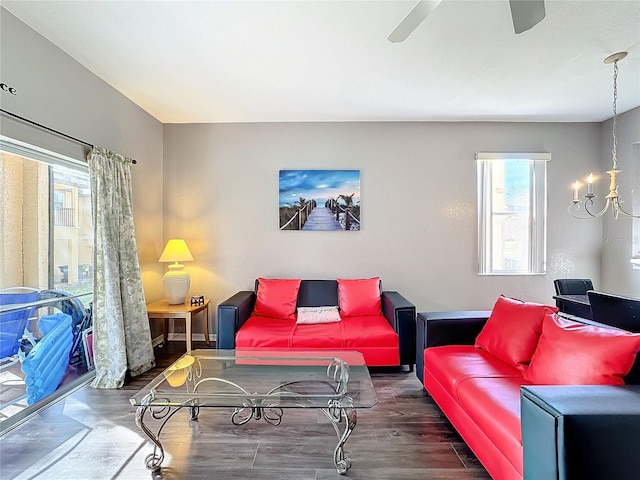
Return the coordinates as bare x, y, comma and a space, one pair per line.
414, 18
526, 14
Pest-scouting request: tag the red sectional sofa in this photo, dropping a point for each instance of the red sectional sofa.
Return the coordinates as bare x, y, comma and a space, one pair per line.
475, 363
342, 314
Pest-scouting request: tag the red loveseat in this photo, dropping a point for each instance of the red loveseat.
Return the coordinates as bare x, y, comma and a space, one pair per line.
473, 364
342, 314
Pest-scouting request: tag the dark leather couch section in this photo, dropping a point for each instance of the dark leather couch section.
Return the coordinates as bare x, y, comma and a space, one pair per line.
402, 315
435, 329
232, 313
318, 293
581, 432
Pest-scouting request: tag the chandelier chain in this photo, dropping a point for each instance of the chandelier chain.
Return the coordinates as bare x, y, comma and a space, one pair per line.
615, 102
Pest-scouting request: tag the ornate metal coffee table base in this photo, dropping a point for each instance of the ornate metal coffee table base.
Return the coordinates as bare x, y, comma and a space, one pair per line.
338, 412
342, 411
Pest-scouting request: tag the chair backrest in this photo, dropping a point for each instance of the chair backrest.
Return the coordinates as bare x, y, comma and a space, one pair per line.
616, 310
572, 286
619, 312
13, 323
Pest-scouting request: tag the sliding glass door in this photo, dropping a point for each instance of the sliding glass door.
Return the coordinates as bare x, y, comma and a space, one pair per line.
46, 245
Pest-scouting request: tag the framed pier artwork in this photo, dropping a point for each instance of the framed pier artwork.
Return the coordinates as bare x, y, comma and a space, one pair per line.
320, 200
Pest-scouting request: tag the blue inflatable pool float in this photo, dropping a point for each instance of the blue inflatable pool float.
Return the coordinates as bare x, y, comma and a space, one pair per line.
47, 362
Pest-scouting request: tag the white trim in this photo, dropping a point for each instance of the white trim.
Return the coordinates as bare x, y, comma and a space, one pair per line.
36, 153
544, 156
511, 274
536, 214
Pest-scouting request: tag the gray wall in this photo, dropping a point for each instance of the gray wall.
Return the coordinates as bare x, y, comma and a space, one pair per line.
218, 188
621, 237
56, 91
418, 188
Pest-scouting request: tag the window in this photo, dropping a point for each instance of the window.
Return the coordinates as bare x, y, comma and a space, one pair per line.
46, 215
512, 211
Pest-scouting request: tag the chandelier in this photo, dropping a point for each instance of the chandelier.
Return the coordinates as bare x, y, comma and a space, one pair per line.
613, 199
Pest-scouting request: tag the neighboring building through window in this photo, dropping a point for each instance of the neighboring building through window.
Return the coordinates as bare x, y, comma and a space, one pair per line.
512, 213
45, 210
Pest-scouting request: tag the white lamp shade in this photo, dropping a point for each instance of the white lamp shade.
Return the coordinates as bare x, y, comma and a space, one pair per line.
176, 282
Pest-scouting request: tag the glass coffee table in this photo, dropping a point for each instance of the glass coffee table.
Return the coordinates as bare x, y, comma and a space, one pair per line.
258, 385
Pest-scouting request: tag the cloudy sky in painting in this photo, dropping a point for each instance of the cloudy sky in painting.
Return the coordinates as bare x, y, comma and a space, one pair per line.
318, 184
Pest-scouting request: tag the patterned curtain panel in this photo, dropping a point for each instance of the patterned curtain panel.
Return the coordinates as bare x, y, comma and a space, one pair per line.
121, 334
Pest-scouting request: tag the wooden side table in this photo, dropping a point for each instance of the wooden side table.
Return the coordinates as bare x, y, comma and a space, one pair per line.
161, 309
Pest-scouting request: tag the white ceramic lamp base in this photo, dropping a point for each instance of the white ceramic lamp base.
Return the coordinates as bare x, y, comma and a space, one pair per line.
175, 284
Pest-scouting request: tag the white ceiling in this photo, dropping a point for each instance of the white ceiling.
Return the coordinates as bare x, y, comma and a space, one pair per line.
300, 61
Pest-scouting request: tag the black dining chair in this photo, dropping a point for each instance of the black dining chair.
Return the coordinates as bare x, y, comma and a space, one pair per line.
572, 286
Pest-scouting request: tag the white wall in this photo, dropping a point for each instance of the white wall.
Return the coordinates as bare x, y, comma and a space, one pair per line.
56, 91
418, 187
618, 235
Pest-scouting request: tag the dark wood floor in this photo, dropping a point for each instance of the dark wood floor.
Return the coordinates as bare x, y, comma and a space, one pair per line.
92, 434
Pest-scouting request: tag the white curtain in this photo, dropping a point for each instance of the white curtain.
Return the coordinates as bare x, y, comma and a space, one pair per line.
121, 334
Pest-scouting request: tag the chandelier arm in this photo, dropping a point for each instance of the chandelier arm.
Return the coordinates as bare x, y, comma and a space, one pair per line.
618, 207
591, 215
601, 212
576, 216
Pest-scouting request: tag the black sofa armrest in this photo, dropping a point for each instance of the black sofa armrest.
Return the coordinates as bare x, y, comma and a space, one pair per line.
586, 432
232, 313
401, 314
435, 329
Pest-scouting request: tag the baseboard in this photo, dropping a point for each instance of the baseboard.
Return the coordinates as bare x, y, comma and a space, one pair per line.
182, 337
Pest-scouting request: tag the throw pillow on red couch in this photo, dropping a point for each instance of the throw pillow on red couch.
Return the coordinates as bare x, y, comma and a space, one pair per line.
277, 298
513, 330
572, 353
313, 315
359, 297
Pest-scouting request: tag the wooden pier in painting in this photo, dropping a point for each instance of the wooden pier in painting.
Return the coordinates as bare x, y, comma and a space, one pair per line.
322, 218
331, 217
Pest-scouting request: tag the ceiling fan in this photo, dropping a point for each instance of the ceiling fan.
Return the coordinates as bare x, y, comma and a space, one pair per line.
525, 14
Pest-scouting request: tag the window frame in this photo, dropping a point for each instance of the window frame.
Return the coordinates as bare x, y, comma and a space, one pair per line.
537, 212
52, 159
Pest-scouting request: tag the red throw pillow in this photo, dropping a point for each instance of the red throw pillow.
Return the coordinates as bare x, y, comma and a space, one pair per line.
513, 330
572, 353
359, 297
277, 298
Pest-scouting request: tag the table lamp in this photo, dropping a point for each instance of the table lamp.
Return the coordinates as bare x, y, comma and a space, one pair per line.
176, 282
